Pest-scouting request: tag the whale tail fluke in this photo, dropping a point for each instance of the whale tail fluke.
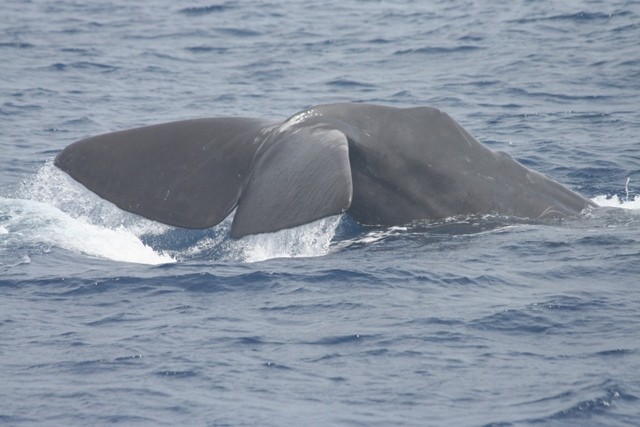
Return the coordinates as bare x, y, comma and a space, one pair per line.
193, 173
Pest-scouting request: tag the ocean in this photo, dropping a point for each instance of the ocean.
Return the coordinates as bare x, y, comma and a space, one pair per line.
107, 318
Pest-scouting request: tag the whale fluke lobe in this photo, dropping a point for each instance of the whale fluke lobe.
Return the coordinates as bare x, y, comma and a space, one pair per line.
188, 173
302, 176
383, 165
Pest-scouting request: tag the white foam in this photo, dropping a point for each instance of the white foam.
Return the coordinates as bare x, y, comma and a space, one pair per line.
309, 240
3, 230
617, 202
53, 209
40, 223
117, 244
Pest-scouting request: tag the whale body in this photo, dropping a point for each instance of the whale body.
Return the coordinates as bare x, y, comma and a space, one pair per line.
382, 165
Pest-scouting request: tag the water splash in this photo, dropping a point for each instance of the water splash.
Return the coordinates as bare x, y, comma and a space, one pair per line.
616, 201
52, 210
309, 240
53, 187
38, 224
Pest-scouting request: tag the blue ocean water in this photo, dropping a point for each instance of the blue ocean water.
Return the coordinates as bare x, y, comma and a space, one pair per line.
107, 318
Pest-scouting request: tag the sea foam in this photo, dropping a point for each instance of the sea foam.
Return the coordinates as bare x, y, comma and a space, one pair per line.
54, 210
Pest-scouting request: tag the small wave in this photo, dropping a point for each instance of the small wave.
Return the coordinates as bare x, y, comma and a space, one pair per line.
177, 374
570, 303
82, 65
438, 50
596, 400
338, 340
17, 45
349, 84
520, 92
515, 321
204, 10
238, 32
578, 17
206, 49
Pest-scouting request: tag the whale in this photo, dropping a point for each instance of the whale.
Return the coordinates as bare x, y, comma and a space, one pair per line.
381, 165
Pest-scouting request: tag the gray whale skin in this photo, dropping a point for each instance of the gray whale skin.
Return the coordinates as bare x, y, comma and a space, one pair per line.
382, 165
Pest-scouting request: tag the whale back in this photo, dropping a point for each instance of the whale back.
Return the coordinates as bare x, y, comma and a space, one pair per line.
418, 163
